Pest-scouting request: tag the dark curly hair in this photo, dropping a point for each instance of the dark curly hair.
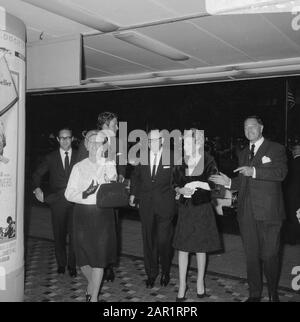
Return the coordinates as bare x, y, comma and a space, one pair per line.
105, 118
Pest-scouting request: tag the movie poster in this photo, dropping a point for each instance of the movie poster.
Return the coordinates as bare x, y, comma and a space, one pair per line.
12, 62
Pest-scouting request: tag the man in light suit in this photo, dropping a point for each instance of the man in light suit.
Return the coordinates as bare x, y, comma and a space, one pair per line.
151, 184
59, 164
262, 168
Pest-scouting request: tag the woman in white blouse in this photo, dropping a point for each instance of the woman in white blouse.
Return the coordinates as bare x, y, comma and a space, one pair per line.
94, 229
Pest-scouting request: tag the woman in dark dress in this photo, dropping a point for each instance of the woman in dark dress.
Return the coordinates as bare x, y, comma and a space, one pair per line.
196, 229
94, 228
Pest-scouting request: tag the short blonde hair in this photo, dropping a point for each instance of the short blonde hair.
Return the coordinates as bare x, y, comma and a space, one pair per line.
88, 135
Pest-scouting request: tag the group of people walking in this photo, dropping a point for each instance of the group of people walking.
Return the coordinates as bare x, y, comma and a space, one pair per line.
165, 193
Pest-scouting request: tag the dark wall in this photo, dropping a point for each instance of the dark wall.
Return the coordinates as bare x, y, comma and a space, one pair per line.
217, 108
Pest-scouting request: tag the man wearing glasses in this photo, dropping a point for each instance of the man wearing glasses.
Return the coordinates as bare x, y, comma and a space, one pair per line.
59, 164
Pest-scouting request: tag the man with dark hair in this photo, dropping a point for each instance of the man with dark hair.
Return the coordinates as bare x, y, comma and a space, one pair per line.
108, 120
59, 164
262, 168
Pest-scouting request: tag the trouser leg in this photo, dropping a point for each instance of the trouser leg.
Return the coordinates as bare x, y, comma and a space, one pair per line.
165, 249
59, 225
149, 232
269, 234
250, 239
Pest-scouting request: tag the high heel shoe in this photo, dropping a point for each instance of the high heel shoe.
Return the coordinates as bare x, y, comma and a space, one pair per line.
182, 299
202, 295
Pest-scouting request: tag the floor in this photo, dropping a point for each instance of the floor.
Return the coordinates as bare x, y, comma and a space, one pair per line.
225, 279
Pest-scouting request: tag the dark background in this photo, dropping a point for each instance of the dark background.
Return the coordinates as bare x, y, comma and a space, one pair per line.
218, 108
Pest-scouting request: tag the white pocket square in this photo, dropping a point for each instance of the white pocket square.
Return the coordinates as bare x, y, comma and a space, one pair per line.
265, 159
166, 166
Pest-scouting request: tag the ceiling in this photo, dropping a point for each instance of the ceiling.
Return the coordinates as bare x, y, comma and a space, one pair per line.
205, 41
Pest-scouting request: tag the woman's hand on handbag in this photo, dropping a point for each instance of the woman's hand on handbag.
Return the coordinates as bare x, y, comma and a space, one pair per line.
90, 190
186, 191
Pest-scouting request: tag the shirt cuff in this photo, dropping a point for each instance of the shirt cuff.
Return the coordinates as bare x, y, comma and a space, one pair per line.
254, 173
229, 185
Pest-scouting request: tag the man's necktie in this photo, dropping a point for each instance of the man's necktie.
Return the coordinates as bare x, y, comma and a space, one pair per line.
67, 163
153, 167
251, 156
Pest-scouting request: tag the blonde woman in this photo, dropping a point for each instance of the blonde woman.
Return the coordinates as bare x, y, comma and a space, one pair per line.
94, 228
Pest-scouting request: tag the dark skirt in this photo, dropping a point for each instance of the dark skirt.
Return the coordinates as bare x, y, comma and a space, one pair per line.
95, 239
196, 229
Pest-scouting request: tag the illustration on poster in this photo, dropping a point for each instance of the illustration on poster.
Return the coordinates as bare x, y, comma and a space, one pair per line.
9, 231
3, 159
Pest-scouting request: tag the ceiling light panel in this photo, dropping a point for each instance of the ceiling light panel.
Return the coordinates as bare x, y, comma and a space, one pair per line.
76, 13
155, 46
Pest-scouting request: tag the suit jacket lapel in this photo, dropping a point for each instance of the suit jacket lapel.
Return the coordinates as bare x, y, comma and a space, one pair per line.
260, 152
245, 157
159, 167
148, 167
60, 165
199, 168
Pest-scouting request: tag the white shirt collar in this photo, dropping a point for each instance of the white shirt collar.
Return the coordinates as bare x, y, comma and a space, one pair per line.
62, 154
152, 156
257, 144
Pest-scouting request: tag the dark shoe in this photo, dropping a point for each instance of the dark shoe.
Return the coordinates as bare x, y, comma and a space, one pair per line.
72, 272
182, 299
274, 298
87, 296
150, 282
165, 279
61, 270
201, 296
253, 299
109, 274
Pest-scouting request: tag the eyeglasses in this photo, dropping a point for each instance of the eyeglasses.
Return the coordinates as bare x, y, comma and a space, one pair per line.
65, 138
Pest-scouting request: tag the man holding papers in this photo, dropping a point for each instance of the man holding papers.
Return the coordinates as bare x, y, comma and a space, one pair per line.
262, 168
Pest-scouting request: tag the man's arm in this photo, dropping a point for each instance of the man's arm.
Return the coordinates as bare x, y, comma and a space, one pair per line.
135, 181
42, 169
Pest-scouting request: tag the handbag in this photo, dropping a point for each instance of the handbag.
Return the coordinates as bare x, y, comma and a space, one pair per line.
112, 195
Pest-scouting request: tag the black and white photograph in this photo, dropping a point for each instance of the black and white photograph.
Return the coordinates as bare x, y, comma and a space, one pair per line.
149, 154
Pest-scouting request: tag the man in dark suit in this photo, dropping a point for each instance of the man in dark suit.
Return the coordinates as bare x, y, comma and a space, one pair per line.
108, 122
262, 168
151, 184
59, 164
292, 198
